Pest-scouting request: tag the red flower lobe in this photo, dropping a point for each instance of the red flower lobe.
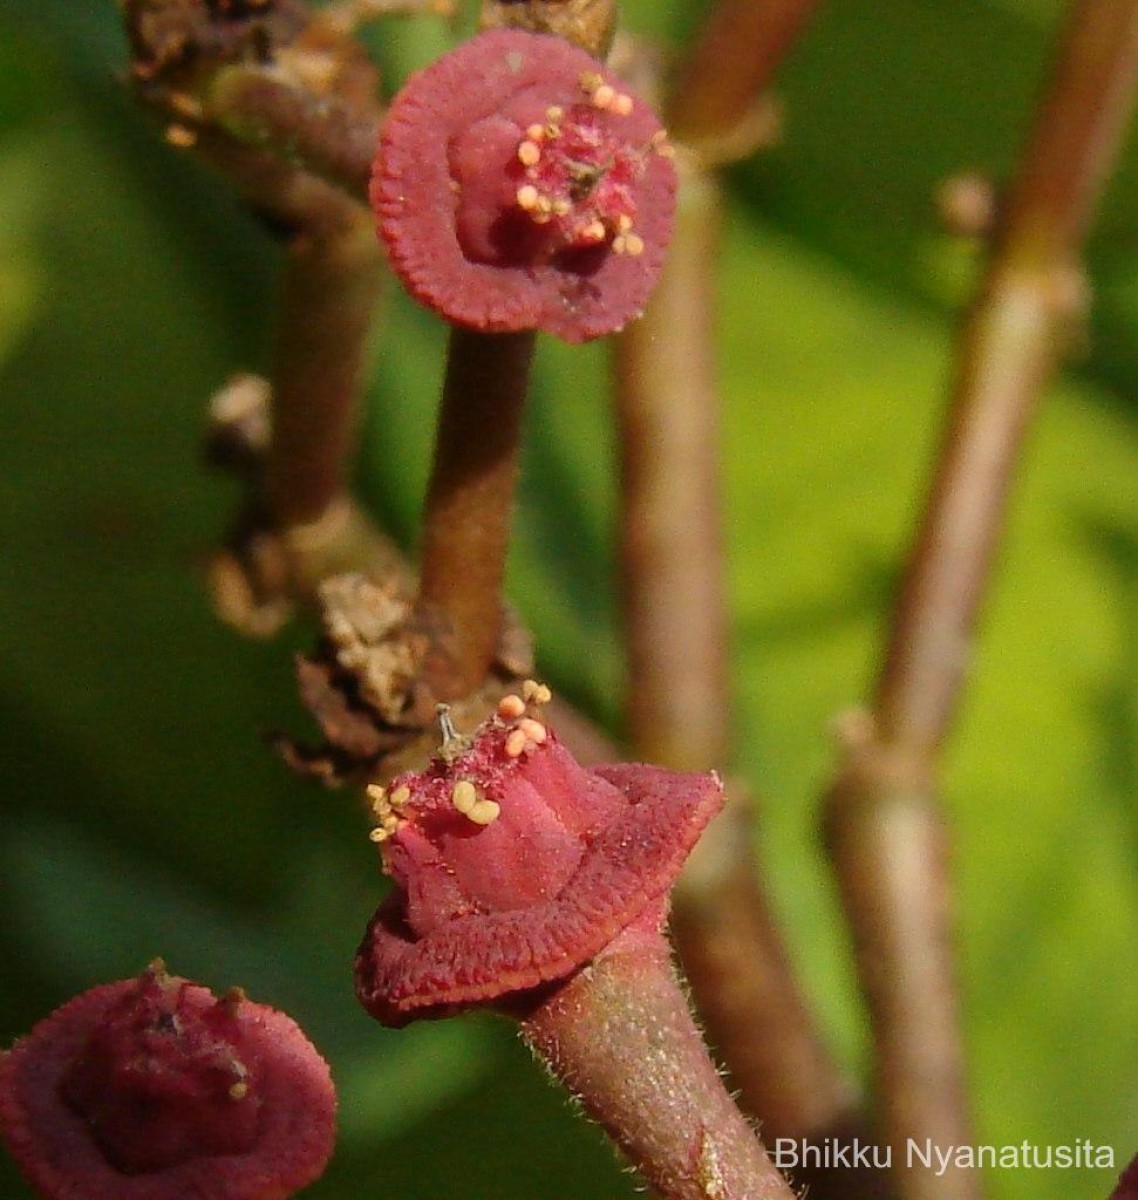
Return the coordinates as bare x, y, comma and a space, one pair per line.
514, 866
519, 186
151, 1089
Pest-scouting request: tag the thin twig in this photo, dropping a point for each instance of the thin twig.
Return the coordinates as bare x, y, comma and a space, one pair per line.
676, 619
329, 290
670, 536
886, 833
470, 500
330, 137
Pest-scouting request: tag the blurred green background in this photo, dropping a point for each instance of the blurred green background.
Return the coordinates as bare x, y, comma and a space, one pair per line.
142, 815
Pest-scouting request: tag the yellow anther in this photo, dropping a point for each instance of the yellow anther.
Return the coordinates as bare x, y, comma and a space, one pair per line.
535, 132
562, 208
515, 743
554, 113
536, 693
661, 145
399, 797
633, 244
239, 1091
379, 835
623, 223
535, 731
621, 104
529, 153
465, 797
590, 81
528, 197
378, 797
604, 95
485, 812
181, 136
593, 232
511, 707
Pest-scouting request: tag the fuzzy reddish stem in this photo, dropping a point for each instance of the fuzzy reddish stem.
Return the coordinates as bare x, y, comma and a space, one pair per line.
470, 499
886, 833
620, 1037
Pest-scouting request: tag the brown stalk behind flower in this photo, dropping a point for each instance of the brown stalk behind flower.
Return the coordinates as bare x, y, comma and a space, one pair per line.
291, 440
675, 613
884, 826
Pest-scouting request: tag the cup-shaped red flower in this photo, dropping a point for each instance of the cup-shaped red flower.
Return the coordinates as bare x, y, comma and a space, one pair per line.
514, 866
151, 1089
519, 185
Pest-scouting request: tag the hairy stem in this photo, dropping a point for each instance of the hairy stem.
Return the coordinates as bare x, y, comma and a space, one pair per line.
886, 834
620, 1037
470, 500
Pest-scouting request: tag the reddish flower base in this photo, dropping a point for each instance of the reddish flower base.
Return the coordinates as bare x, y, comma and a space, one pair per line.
151, 1089
520, 186
514, 866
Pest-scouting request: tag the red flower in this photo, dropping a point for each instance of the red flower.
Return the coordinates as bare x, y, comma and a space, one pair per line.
519, 186
514, 866
150, 1089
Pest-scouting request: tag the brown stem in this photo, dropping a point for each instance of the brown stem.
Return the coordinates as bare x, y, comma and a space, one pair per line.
470, 499
885, 830
328, 295
619, 1035
670, 527
676, 623
713, 100
330, 137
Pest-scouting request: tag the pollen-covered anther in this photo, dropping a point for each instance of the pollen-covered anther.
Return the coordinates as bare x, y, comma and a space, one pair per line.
528, 197
516, 742
529, 153
628, 243
661, 145
594, 232
604, 95
485, 812
536, 693
465, 797
511, 707
535, 731
621, 104
238, 1091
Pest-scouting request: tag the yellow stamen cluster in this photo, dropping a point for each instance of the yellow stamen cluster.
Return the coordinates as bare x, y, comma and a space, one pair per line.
528, 733
473, 805
386, 808
536, 693
604, 96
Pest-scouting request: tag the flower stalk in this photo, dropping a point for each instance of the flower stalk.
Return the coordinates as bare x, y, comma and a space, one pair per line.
620, 1037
